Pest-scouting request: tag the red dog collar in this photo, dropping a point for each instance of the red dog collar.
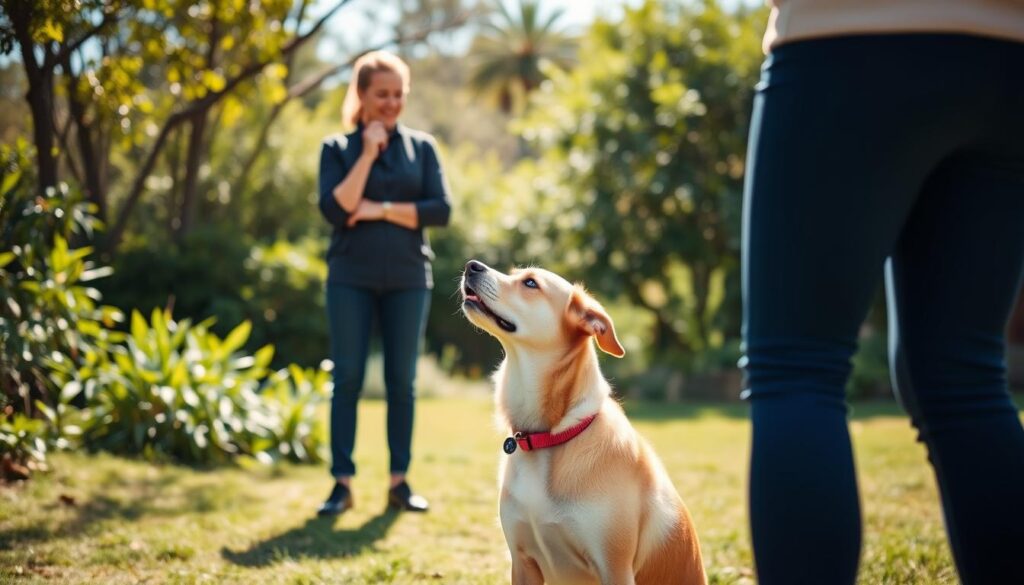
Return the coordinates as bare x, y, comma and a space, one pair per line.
532, 441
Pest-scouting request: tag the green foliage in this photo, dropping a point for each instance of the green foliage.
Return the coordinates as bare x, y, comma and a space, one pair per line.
163, 388
650, 130
494, 218
275, 196
176, 390
278, 287
283, 296
49, 21
511, 48
200, 277
23, 439
295, 394
171, 53
869, 377
47, 312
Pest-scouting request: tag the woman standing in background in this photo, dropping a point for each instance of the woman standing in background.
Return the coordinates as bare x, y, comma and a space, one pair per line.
380, 185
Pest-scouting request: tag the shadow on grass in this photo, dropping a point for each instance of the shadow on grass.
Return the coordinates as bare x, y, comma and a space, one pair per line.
316, 539
86, 515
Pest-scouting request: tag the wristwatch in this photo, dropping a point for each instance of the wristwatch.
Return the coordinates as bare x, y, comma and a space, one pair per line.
385, 209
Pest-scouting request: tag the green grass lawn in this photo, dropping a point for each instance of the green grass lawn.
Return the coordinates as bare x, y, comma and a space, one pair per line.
101, 519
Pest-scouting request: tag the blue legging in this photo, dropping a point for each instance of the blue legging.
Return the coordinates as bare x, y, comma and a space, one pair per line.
402, 315
903, 151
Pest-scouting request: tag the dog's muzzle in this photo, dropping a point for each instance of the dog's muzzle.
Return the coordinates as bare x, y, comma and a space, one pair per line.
475, 286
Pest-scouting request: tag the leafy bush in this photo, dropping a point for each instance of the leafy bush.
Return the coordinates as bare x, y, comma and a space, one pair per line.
176, 390
298, 433
45, 307
22, 443
869, 376
284, 299
164, 389
278, 287
199, 277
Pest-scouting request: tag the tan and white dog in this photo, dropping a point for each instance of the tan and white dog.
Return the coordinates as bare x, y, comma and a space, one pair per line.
584, 499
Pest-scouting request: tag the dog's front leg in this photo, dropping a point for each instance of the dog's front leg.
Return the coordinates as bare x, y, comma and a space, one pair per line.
622, 576
615, 564
525, 570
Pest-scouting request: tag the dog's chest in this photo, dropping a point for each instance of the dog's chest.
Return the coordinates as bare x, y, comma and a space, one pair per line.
526, 494
560, 535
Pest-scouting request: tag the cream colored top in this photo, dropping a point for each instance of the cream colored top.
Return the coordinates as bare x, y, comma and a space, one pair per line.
792, 20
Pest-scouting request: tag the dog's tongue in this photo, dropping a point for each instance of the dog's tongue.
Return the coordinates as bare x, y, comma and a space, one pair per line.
472, 297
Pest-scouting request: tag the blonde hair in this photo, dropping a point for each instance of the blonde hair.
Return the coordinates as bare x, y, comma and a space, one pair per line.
362, 73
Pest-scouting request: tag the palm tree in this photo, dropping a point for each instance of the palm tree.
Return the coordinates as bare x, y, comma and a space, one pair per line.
509, 50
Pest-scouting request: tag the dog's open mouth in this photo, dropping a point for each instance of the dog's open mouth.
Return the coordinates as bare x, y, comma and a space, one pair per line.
473, 300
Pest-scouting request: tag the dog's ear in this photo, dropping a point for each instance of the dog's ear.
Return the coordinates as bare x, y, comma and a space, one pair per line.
592, 320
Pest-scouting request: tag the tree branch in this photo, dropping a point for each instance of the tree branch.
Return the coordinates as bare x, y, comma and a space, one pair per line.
247, 73
115, 234
62, 139
138, 185
314, 81
108, 18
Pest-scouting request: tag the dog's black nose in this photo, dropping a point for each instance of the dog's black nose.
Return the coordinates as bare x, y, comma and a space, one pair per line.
474, 266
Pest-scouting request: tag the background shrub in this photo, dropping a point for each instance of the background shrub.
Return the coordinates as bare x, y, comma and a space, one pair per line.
177, 391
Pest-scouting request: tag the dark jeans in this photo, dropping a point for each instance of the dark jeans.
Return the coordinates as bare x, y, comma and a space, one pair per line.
908, 148
402, 315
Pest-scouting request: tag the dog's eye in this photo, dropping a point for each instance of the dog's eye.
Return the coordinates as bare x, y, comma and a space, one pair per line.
530, 283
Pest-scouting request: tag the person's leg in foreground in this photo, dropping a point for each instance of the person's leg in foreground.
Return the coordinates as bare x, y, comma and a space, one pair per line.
403, 316
846, 136
952, 284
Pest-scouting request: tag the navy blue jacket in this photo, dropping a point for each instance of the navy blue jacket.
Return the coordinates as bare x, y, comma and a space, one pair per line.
379, 254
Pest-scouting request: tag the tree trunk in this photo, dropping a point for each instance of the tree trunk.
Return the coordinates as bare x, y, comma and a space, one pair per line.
40, 94
174, 152
40, 98
190, 189
93, 186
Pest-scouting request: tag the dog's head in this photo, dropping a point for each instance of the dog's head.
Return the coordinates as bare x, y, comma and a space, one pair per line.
534, 308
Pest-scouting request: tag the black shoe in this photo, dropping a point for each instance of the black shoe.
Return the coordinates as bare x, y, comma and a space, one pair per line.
339, 501
401, 497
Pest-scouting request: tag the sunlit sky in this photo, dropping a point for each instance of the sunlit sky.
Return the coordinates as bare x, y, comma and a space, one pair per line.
349, 28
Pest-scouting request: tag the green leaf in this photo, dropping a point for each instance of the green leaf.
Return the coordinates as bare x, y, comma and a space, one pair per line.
237, 338
298, 375
59, 254
47, 412
163, 342
139, 328
70, 390
50, 31
125, 363
263, 356
180, 374
9, 181
95, 273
